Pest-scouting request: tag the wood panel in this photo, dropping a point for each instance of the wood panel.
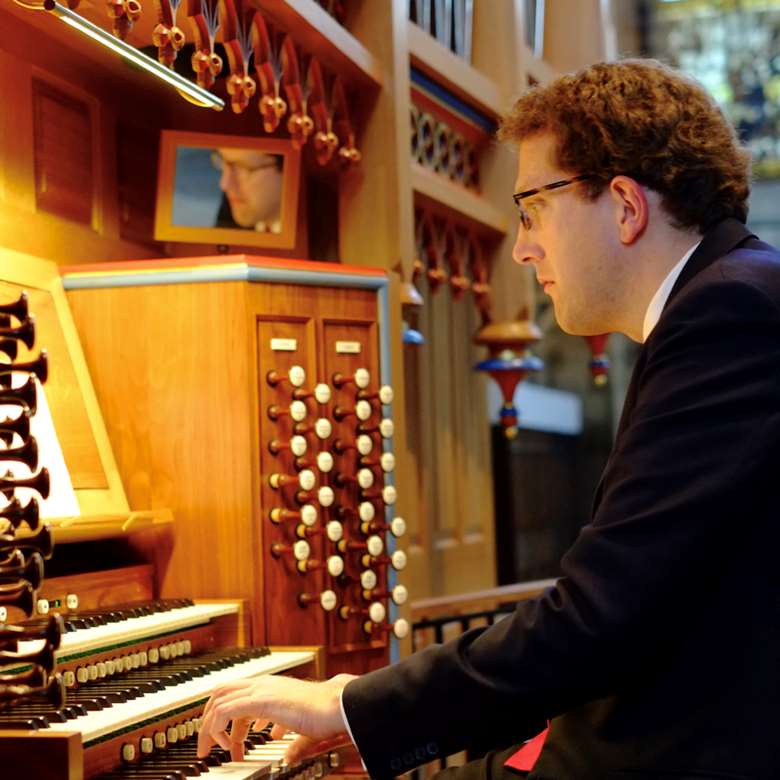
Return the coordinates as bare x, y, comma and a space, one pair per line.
63, 145
170, 366
181, 373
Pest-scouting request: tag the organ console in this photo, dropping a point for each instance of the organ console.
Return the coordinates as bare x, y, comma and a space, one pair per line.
107, 679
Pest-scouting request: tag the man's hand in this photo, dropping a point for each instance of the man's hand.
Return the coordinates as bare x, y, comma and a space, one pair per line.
312, 709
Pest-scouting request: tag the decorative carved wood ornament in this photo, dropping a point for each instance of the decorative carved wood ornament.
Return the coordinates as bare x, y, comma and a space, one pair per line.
448, 251
269, 73
166, 36
325, 140
237, 38
206, 63
123, 14
299, 124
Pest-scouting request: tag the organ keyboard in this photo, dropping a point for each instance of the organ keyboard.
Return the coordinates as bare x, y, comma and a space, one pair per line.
137, 678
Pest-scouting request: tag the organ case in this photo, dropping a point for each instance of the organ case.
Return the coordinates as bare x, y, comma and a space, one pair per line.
180, 352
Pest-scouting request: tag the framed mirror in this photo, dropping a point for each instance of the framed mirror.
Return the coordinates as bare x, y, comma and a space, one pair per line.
227, 189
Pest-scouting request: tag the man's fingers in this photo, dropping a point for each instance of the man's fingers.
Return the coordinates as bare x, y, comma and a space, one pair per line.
278, 730
305, 747
238, 734
205, 742
260, 724
223, 690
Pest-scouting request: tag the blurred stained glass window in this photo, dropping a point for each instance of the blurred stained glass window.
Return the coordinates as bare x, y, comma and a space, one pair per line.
733, 48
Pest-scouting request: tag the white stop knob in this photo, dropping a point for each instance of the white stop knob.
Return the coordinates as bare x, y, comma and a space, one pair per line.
401, 628
363, 410
398, 560
325, 496
323, 428
322, 393
366, 511
297, 376
362, 378
364, 444
301, 550
387, 462
298, 411
308, 515
368, 579
298, 446
400, 594
398, 526
375, 545
389, 494
328, 600
334, 530
377, 612
365, 478
324, 462
386, 428
306, 479
335, 565
386, 394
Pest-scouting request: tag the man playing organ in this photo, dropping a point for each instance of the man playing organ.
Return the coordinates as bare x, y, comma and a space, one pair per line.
656, 653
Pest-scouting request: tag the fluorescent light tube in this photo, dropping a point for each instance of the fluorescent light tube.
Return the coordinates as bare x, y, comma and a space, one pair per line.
193, 92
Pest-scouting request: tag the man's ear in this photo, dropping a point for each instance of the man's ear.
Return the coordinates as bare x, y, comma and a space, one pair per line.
631, 208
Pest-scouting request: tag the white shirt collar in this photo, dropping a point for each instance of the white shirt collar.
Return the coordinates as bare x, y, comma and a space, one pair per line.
653, 313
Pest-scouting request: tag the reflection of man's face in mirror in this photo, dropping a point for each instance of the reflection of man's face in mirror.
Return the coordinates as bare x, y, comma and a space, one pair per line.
252, 183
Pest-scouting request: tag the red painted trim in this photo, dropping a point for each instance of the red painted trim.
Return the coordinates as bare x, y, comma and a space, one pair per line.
173, 263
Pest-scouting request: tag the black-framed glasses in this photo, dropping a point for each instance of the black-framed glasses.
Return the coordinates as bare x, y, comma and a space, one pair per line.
525, 218
239, 168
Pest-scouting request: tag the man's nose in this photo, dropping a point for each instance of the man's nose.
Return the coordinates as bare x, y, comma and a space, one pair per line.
227, 181
524, 251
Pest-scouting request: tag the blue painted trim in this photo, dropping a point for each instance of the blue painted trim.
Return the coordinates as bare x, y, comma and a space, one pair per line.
243, 273
419, 79
385, 377
412, 336
531, 363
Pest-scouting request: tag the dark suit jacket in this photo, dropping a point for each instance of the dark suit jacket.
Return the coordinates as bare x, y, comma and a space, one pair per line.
657, 654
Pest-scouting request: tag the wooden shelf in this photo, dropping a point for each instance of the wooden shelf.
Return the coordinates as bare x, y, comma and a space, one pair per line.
453, 72
90, 528
435, 190
321, 35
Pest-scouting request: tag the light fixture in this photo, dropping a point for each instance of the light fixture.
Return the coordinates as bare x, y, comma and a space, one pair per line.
192, 92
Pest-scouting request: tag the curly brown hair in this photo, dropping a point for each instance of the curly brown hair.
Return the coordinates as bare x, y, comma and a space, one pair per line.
642, 119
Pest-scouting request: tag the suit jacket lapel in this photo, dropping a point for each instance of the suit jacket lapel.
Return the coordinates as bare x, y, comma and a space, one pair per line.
722, 239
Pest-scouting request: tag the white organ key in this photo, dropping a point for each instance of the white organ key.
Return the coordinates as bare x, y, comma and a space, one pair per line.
121, 715
134, 629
